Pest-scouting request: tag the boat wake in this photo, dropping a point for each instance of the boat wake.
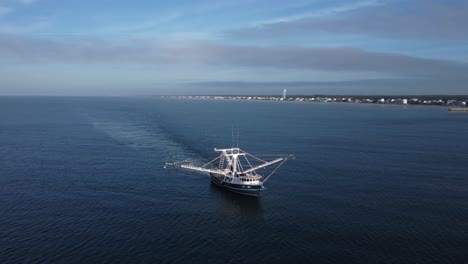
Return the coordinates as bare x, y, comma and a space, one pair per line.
145, 137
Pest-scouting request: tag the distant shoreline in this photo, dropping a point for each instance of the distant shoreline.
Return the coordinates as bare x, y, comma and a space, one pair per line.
398, 101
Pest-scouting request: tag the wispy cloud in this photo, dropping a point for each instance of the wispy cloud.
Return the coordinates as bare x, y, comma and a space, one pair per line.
26, 2
350, 7
11, 28
94, 50
321, 59
5, 10
145, 25
154, 24
413, 20
21, 2
327, 11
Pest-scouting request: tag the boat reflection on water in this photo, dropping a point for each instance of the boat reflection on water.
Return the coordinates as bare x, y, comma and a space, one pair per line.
237, 204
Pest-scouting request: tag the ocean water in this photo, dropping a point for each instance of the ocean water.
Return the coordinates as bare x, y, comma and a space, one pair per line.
82, 181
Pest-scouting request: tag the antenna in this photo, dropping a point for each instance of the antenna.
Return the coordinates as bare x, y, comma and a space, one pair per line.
237, 135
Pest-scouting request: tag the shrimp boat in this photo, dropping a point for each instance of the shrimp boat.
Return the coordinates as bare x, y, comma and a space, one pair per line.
234, 171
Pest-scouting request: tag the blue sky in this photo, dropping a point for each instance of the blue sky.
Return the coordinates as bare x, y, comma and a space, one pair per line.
51, 47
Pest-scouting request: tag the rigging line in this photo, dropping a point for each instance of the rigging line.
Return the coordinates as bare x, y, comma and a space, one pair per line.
211, 161
259, 159
271, 155
240, 165
274, 170
248, 162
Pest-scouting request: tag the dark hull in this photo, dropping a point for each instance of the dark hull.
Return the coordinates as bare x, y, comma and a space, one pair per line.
250, 190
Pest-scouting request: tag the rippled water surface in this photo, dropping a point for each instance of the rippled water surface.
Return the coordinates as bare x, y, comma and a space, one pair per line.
81, 181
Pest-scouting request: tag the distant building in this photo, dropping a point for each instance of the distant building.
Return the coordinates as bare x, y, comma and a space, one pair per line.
284, 94
404, 101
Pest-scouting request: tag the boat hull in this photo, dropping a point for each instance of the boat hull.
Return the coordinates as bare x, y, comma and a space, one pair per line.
250, 190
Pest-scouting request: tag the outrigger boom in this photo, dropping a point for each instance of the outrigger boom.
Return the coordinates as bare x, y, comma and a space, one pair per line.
231, 173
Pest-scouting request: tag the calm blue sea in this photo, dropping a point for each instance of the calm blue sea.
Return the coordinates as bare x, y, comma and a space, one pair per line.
82, 181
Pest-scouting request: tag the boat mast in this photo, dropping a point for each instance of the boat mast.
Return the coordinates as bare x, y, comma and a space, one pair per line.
232, 157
